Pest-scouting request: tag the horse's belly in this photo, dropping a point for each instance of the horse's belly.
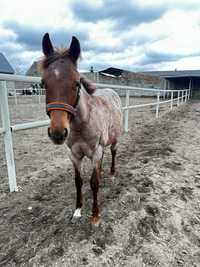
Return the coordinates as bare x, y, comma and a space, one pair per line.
111, 128
106, 114
110, 117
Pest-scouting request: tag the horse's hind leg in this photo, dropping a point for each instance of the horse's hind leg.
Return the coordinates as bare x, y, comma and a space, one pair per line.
113, 150
94, 183
101, 163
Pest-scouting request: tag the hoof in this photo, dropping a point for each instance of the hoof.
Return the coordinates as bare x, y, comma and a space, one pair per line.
95, 221
112, 177
112, 173
76, 216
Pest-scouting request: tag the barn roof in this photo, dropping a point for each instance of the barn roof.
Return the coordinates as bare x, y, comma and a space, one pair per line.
112, 71
33, 70
5, 66
175, 73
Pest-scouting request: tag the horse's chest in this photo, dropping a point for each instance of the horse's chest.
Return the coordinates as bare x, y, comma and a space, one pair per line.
84, 142
81, 148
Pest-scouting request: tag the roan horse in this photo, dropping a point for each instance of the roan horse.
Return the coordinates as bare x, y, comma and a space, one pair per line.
88, 120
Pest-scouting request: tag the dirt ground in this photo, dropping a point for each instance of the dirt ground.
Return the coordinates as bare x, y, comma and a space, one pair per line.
150, 213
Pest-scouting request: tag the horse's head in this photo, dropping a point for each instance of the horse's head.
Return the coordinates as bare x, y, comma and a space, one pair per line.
62, 83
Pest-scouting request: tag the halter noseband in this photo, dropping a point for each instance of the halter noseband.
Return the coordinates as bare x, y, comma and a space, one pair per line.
63, 106
60, 106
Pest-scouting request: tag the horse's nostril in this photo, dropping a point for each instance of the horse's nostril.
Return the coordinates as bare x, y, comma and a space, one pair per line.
57, 135
65, 132
49, 132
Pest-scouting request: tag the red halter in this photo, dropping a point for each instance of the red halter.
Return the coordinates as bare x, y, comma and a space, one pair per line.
63, 106
60, 106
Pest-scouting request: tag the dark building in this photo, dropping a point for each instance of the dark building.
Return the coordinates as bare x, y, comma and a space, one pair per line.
118, 76
115, 72
5, 66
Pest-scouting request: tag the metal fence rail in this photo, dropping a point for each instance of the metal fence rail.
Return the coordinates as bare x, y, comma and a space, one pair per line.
182, 96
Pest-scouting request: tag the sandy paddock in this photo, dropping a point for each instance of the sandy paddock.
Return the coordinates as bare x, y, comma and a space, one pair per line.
150, 212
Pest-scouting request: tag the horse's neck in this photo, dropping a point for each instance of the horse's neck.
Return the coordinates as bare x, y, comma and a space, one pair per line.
83, 108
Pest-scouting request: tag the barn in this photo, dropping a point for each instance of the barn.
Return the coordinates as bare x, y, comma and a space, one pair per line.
180, 79
5, 66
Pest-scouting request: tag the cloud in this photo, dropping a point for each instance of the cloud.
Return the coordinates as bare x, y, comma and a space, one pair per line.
125, 14
132, 34
21, 43
153, 57
27, 36
31, 37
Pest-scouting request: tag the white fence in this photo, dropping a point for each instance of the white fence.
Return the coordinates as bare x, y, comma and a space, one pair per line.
182, 96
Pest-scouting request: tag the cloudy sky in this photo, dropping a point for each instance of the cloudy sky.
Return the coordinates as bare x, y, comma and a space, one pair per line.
136, 35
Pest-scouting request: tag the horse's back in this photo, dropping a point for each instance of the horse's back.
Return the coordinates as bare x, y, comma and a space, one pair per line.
110, 96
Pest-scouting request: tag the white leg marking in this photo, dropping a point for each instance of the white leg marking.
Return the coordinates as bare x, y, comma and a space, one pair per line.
77, 213
112, 178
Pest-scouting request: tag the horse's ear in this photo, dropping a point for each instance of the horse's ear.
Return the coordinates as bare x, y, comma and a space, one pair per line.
74, 49
47, 46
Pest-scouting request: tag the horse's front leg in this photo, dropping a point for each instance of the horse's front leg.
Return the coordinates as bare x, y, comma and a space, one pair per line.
94, 183
78, 183
79, 197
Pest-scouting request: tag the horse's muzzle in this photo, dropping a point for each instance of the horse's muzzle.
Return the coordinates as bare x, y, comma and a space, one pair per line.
57, 136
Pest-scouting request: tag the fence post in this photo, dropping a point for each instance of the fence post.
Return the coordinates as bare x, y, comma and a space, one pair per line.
39, 90
178, 98
7, 136
97, 77
15, 97
158, 103
182, 93
172, 96
165, 86
185, 95
126, 111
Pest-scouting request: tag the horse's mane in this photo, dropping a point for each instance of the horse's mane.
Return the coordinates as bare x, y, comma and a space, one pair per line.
45, 61
88, 85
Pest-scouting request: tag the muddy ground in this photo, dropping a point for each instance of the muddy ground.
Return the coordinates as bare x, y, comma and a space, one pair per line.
150, 214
